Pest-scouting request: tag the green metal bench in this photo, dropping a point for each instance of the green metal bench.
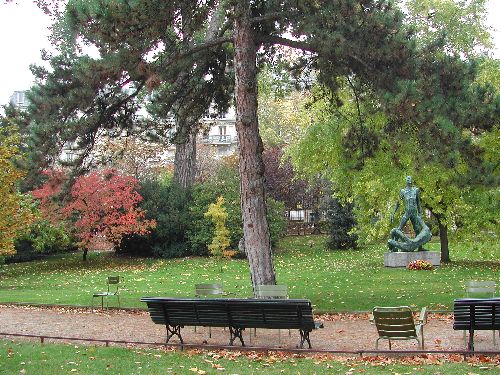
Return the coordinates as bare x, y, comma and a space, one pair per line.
236, 314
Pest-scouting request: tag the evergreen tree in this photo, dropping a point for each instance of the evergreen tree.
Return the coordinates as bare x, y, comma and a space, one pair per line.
341, 222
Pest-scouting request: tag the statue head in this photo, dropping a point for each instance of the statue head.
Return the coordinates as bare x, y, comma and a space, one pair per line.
409, 180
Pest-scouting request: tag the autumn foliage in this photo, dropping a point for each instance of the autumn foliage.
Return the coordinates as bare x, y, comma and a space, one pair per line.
47, 195
15, 210
218, 214
105, 205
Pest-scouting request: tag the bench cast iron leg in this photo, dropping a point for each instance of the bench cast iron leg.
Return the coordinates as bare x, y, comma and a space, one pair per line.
174, 331
470, 346
236, 333
304, 336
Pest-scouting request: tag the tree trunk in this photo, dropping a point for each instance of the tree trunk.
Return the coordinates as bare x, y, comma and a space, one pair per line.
185, 161
189, 112
443, 238
85, 252
253, 205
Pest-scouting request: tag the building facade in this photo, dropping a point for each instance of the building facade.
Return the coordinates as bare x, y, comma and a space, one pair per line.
19, 100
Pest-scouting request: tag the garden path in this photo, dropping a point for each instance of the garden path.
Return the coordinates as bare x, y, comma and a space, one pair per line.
342, 331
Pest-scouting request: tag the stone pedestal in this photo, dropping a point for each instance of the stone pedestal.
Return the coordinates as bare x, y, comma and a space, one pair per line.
402, 259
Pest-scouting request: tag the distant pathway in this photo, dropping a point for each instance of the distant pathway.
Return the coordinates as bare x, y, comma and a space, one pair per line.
341, 332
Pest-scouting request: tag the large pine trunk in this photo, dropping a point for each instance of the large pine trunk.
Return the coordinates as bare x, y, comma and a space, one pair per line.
253, 205
185, 161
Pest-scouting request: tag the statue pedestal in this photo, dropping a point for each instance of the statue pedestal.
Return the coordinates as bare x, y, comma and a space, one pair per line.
402, 259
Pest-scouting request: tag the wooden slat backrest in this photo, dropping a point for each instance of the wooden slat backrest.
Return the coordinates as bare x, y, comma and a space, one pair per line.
476, 313
273, 314
243, 313
394, 322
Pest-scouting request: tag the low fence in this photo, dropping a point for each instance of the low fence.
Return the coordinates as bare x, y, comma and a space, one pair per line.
360, 353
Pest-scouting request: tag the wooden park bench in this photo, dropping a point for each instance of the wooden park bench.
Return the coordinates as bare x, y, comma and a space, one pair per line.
236, 314
473, 314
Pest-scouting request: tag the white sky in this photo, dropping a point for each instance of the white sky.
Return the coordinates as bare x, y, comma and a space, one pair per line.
24, 32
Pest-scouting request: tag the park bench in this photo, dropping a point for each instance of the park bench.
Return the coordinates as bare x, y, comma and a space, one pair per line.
236, 314
473, 314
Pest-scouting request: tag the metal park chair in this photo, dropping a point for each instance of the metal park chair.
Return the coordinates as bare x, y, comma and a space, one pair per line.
271, 292
207, 290
397, 323
480, 289
112, 291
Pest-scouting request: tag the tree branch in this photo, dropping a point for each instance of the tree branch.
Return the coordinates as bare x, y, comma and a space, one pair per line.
271, 16
297, 44
305, 46
195, 49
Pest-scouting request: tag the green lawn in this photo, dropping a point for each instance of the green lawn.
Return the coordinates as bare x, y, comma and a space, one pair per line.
333, 280
48, 359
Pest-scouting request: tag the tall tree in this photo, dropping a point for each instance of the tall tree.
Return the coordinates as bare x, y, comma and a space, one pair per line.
338, 38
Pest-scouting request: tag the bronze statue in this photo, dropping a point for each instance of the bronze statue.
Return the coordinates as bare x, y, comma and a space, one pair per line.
413, 212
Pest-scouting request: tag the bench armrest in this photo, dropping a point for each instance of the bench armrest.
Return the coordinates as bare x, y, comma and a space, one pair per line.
422, 319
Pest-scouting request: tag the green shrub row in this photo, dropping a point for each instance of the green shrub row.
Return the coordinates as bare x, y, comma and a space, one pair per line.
182, 228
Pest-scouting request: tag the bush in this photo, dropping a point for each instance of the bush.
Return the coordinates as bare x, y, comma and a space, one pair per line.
201, 231
276, 220
341, 222
48, 238
42, 239
419, 265
226, 182
181, 226
166, 203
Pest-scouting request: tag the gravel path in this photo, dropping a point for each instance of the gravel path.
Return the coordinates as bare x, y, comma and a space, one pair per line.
341, 332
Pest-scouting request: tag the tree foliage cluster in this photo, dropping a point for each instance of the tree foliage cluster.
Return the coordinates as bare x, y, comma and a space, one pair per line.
16, 210
101, 207
438, 128
218, 215
340, 222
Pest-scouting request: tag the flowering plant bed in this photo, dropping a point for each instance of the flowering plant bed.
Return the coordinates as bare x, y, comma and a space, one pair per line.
419, 265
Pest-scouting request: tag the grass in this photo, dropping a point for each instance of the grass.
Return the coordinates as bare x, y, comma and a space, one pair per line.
34, 358
333, 280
